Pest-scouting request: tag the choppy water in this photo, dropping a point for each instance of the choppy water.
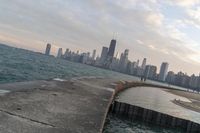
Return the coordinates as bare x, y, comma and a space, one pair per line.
22, 65
118, 125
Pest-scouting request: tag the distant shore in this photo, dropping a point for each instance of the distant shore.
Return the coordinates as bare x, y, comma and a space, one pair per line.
194, 105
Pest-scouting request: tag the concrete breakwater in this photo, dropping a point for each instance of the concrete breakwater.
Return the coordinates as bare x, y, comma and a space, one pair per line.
132, 113
75, 106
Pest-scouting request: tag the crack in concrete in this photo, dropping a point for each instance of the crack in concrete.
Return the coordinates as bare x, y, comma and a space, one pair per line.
29, 119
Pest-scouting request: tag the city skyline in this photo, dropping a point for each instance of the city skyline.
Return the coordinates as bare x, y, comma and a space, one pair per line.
143, 63
145, 71
157, 30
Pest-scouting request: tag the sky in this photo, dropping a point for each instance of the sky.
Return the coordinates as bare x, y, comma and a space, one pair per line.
159, 30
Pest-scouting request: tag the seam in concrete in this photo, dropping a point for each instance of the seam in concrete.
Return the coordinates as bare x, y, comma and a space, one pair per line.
29, 119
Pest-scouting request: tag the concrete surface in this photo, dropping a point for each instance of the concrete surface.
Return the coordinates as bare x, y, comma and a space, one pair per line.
77, 106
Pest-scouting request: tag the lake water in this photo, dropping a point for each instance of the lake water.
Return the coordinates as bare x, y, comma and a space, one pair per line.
118, 125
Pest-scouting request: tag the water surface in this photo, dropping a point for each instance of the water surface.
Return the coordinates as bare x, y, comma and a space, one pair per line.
158, 100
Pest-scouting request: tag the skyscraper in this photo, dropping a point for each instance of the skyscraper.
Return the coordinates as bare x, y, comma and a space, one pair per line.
110, 54
137, 63
150, 72
104, 53
144, 63
163, 71
48, 49
124, 61
94, 54
59, 55
111, 50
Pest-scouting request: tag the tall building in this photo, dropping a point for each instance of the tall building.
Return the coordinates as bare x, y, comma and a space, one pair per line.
83, 58
94, 54
48, 49
130, 68
66, 53
163, 71
137, 63
104, 53
111, 50
150, 72
124, 61
171, 77
144, 63
59, 55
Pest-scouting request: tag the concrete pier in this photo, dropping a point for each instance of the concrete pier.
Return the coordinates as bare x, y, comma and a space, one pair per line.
75, 106
55, 107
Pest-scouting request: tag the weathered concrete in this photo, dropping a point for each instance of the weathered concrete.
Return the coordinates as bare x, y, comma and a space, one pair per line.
55, 107
77, 106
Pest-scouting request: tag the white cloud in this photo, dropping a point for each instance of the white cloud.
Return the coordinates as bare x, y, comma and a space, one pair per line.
155, 19
193, 17
184, 3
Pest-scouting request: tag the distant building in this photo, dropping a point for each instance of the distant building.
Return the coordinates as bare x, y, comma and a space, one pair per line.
111, 50
137, 63
194, 82
110, 55
67, 52
104, 54
163, 71
83, 58
150, 72
94, 54
124, 61
144, 63
130, 68
48, 49
59, 55
139, 71
114, 64
171, 77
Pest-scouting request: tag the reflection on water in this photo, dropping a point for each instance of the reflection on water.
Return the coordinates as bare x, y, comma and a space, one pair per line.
158, 100
117, 125
3, 92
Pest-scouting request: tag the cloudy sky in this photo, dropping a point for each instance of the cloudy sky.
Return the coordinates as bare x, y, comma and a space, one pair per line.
160, 30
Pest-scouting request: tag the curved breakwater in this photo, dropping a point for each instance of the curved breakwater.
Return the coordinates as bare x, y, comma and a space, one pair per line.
133, 112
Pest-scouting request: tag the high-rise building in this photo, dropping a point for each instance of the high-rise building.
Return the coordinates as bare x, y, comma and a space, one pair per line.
124, 61
66, 53
150, 71
171, 77
83, 58
111, 50
94, 54
48, 49
163, 71
144, 63
130, 68
59, 55
104, 53
110, 55
137, 63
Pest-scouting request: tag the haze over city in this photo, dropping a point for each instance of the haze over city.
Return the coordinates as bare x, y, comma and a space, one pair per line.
157, 30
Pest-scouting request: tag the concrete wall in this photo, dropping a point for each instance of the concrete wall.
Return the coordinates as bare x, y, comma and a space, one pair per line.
132, 113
